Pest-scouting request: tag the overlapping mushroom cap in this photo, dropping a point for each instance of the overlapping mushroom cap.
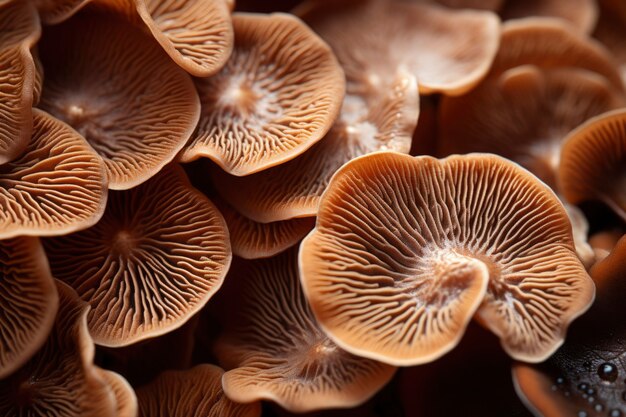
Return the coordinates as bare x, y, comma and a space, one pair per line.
158, 254
278, 352
58, 184
115, 86
406, 250
278, 94
593, 162
196, 392
60, 380
448, 51
611, 31
29, 301
125, 399
53, 12
581, 14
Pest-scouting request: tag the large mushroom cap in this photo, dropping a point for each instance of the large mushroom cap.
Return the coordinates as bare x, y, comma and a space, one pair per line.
53, 12
57, 186
158, 254
60, 380
406, 250
196, 392
593, 162
125, 399
278, 352
278, 94
29, 301
448, 51
115, 86
581, 14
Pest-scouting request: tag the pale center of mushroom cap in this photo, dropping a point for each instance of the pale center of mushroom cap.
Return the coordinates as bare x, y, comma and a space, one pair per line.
240, 98
359, 132
543, 158
313, 359
124, 241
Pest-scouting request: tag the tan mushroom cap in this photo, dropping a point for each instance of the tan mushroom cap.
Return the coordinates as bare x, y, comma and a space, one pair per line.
39, 76
604, 241
406, 250
60, 379
278, 94
125, 399
252, 240
156, 257
29, 301
492, 5
593, 162
53, 12
551, 43
580, 231
58, 185
581, 14
276, 351
611, 31
524, 115
449, 51
196, 392
371, 119
117, 88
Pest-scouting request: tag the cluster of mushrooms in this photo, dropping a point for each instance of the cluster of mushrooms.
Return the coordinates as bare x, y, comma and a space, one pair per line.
345, 208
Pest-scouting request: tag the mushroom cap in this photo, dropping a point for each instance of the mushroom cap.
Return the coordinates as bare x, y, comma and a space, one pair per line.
278, 94
593, 162
276, 351
611, 32
371, 119
604, 241
156, 257
196, 392
126, 401
524, 115
53, 12
29, 301
39, 76
581, 14
580, 231
60, 379
117, 88
406, 250
58, 185
492, 5
455, 47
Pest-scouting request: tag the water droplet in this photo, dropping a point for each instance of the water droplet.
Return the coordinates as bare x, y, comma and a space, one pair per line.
607, 372
591, 399
560, 380
598, 407
582, 414
583, 386
615, 413
585, 396
591, 391
554, 388
567, 393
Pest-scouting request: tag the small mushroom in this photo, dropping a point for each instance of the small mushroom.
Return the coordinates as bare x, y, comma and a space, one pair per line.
406, 250
581, 14
278, 94
125, 399
115, 86
196, 392
156, 257
276, 351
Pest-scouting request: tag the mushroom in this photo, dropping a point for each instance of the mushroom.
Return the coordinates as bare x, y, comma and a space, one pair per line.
196, 392
604, 241
39, 75
276, 351
406, 250
29, 301
491, 5
60, 379
371, 119
278, 94
156, 257
593, 162
581, 14
611, 31
125, 399
448, 51
114, 85
57, 186
53, 12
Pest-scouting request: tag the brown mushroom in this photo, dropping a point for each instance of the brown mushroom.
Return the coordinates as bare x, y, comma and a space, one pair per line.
125, 399
448, 51
114, 85
593, 162
604, 241
156, 257
581, 14
371, 119
276, 351
60, 380
492, 5
58, 185
29, 301
39, 75
406, 250
611, 31
196, 392
53, 12
278, 94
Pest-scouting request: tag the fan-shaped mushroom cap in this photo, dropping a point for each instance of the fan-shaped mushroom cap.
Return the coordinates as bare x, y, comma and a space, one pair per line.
158, 254
525, 115
196, 392
252, 240
29, 301
278, 352
581, 14
551, 43
371, 119
19, 30
449, 51
125, 399
580, 230
116, 87
53, 12
604, 241
39, 75
406, 249
57, 186
593, 162
278, 94
60, 379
